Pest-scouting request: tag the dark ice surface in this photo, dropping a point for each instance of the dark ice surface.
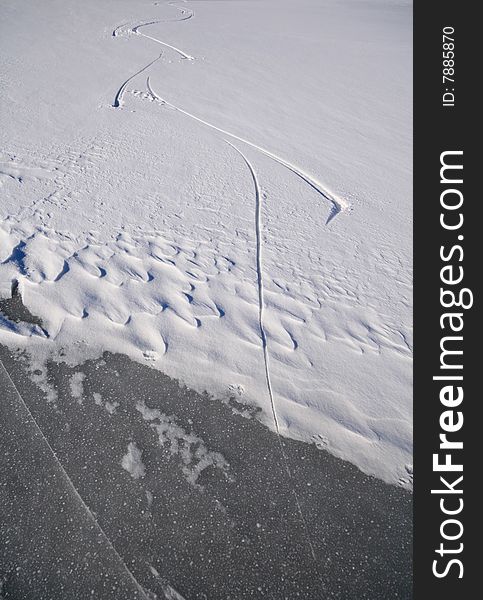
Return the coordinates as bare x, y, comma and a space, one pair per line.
210, 514
50, 546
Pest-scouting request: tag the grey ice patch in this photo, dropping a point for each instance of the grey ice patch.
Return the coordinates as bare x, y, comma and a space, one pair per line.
14, 315
194, 454
132, 461
77, 386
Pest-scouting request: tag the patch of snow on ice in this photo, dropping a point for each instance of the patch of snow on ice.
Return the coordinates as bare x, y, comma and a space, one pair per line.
38, 373
111, 407
76, 385
132, 461
191, 449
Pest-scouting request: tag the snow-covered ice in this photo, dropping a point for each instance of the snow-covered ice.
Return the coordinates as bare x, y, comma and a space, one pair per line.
221, 190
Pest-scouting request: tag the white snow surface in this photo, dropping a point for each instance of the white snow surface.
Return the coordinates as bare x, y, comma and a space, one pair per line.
222, 189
